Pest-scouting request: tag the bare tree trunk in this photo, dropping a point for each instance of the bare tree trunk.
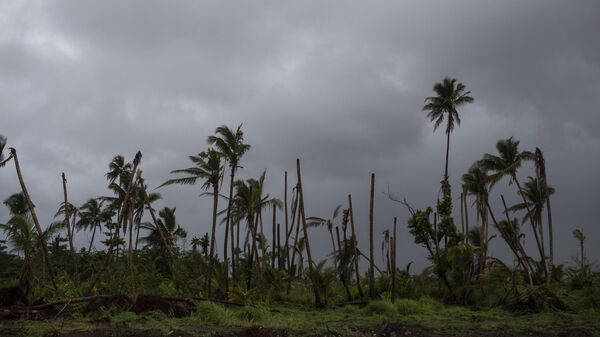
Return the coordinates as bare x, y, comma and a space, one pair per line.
70, 231
355, 246
274, 236
286, 216
92, 240
462, 215
212, 239
371, 250
466, 214
40, 232
394, 242
279, 252
318, 303
237, 251
228, 224
343, 269
335, 259
130, 247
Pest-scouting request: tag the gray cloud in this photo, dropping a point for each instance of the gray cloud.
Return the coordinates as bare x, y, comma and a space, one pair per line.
339, 86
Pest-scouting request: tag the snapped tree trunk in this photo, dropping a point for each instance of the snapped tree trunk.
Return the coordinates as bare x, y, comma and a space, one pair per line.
394, 242
371, 248
318, 302
38, 228
70, 231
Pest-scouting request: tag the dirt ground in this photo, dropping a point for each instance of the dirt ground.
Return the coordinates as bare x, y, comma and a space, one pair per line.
387, 330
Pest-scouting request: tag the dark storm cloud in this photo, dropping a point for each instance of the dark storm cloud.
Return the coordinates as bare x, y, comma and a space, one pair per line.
340, 86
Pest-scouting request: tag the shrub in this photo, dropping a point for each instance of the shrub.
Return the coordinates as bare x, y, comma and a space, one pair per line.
251, 314
380, 308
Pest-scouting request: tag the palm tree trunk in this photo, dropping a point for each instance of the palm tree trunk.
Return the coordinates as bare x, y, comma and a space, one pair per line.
38, 228
286, 215
342, 269
335, 259
130, 246
355, 246
371, 250
279, 252
514, 246
318, 303
465, 205
274, 237
447, 153
227, 225
394, 242
92, 240
212, 237
69, 231
237, 250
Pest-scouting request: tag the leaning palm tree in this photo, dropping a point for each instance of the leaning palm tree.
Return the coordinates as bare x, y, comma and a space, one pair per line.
208, 167
475, 184
450, 94
231, 146
167, 227
507, 163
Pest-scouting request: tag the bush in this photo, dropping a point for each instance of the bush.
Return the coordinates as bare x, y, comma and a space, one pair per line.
381, 308
213, 313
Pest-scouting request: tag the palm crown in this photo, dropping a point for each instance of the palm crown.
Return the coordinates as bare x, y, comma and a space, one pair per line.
450, 94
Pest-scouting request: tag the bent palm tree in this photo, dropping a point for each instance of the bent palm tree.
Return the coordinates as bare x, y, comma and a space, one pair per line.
316, 221
450, 94
210, 169
231, 146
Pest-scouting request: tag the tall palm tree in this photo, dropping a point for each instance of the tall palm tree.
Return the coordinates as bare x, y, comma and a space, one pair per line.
92, 216
232, 147
450, 94
578, 234
208, 167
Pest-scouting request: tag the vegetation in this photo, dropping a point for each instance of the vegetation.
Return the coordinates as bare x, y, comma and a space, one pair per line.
275, 283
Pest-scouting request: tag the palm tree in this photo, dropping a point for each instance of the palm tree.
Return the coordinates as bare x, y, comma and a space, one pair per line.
209, 168
450, 94
231, 146
316, 221
506, 163
92, 216
169, 227
475, 183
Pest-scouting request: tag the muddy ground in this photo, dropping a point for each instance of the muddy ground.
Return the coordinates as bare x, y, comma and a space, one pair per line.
386, 330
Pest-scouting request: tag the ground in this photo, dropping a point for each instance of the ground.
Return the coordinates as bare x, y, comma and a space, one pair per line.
415, 318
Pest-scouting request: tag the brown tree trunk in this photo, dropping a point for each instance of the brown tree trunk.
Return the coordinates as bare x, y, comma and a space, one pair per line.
286, 216
371, 245
274, 236
343, 269
394, 242
70, 231
38, 228
355, 246
318, 303
212, 238
228, 224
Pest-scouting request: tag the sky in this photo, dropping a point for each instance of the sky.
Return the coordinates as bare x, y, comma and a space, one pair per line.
339, 85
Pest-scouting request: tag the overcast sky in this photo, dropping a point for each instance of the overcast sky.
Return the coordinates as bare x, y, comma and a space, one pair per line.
339, 85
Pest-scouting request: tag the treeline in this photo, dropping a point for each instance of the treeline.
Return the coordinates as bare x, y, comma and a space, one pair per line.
141, 252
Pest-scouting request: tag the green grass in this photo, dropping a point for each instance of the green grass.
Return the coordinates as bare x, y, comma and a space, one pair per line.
348, 321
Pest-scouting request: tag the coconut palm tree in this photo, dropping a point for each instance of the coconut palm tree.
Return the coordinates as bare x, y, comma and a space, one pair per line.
578, 234
507, 163
208, 167
316, 221
231, 146
450, 94
475, 183
169, 227
92, 215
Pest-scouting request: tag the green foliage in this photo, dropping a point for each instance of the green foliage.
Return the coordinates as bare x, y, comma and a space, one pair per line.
251, 314
383, 308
